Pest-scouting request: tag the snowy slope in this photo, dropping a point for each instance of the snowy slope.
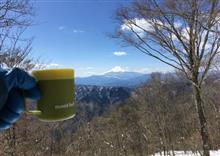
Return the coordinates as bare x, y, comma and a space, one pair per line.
188, 153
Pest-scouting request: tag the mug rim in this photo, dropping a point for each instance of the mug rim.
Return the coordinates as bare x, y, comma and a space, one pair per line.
53, 74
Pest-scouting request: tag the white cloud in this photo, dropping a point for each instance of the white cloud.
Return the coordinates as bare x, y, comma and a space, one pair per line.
140, 22
119, 53
48, 66
53, 65
130, 25
89, 68
61, 27
138, 25
78, 31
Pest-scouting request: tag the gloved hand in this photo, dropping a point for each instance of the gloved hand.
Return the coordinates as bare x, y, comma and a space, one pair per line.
15, 86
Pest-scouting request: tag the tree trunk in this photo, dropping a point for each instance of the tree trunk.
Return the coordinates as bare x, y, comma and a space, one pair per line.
202, 121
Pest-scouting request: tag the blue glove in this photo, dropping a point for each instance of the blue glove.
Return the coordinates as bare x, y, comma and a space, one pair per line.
15, 86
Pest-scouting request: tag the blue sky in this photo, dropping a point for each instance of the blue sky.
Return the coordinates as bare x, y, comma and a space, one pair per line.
73, 34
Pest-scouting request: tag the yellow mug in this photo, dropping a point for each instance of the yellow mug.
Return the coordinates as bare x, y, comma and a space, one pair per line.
57, 101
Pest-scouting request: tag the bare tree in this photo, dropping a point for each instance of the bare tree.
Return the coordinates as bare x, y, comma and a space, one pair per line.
182, 34
15, 18
17, 55
14, 15
15, 50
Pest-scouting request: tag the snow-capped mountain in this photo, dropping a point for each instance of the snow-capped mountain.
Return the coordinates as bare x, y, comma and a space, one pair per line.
124, 79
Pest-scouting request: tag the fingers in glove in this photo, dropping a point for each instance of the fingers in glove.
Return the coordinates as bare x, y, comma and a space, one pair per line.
19, 78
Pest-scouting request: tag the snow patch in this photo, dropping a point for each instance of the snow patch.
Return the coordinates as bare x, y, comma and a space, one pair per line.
189, 153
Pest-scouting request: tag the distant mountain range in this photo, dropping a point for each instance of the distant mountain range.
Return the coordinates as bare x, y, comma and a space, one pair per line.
122, 79
95, 100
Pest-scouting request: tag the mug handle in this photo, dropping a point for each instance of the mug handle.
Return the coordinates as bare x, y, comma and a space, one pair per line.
33, 112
